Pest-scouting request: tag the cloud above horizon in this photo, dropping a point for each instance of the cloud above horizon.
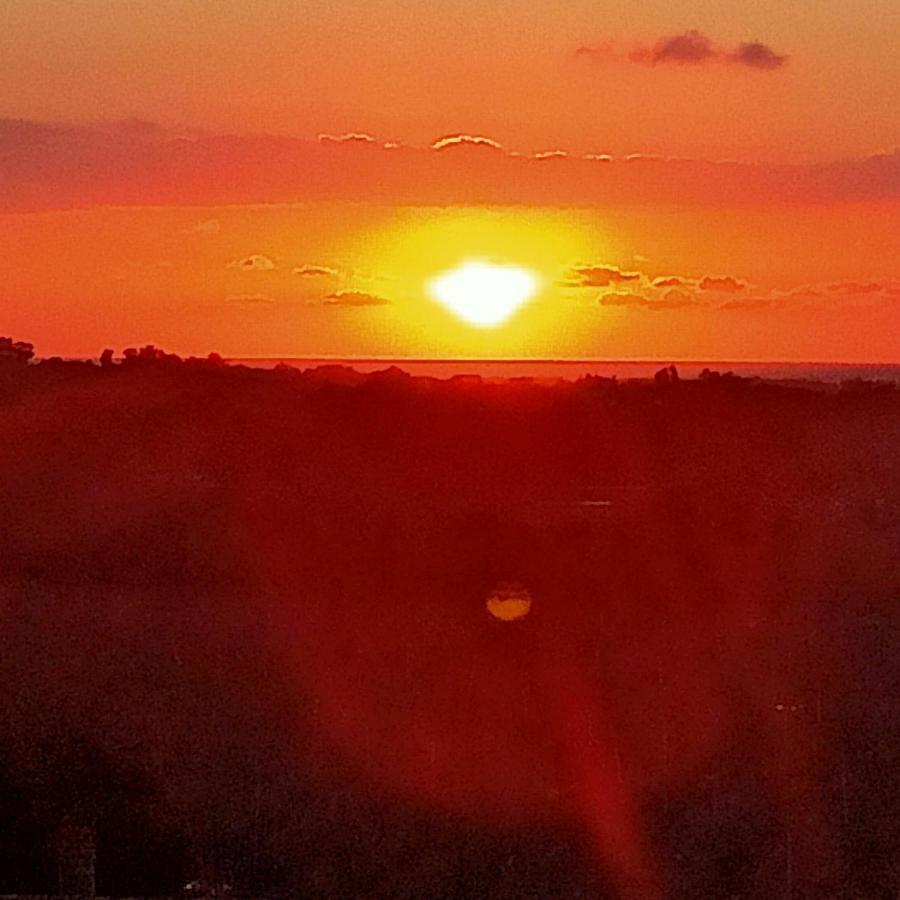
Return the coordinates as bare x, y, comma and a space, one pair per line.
756, 55
806, 298
725, 284
856, 287
598, 276
55, 166
673, 299
354, 298
649, 290
351, 137
465, 140
253, 263
690, 48
311, 271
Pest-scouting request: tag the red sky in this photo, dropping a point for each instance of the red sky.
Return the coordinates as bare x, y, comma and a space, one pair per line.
166, 176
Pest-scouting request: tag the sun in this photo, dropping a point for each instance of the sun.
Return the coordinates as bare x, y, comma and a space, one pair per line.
481, 293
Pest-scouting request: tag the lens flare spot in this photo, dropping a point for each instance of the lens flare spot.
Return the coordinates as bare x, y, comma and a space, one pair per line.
481, 293
509, 602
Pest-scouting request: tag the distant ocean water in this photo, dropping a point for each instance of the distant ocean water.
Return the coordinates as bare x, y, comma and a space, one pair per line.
548, 370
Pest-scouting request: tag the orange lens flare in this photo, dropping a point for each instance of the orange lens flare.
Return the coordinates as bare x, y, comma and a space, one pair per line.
508, 603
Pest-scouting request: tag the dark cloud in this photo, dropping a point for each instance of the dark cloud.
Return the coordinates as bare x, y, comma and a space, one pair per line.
756, 55
689, 48
671, 281
598, 276
355, 298
725, 284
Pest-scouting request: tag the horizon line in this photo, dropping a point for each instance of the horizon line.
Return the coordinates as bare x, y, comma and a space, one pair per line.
627, 360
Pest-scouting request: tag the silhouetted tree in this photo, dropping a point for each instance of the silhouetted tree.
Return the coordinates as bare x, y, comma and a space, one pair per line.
667, 375
864, 386
147, 354
16, 353
712, 376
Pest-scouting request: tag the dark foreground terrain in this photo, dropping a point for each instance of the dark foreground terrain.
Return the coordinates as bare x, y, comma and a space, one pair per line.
245, 640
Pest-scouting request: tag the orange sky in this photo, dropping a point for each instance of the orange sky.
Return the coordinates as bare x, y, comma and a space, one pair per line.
410, 70
128, 215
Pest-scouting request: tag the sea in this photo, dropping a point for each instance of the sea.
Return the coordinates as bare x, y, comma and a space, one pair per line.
573, 369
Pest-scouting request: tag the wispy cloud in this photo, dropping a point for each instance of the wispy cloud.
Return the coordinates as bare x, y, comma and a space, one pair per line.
672, 300
725, 284
254, 263
730, 294
598, 276
465, 140
351, 137
355, 298
622, 298
850, 288
44, 169
750, 304
310, 271
676, 299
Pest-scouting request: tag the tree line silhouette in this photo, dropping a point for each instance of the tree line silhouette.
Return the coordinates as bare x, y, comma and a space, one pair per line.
246, 639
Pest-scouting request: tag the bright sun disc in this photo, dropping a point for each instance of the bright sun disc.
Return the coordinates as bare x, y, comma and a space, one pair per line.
482, 293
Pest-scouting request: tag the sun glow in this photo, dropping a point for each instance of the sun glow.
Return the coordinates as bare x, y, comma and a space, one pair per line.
433, 313
481, 293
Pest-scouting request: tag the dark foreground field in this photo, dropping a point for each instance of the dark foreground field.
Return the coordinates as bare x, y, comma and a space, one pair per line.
245, 641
